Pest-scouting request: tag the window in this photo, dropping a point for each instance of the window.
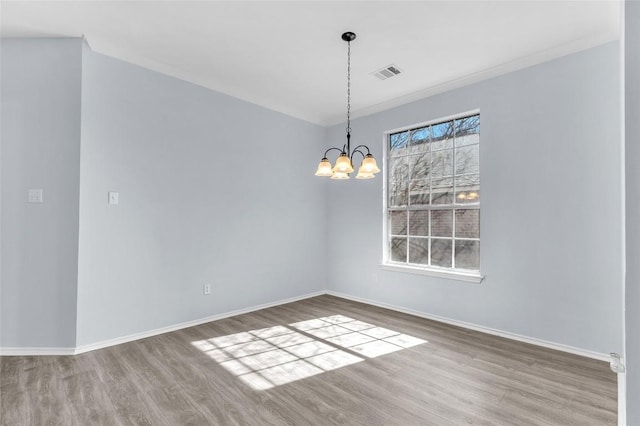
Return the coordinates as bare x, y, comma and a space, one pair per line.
433, 196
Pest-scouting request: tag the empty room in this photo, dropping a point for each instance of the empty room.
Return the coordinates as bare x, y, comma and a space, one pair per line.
320, 213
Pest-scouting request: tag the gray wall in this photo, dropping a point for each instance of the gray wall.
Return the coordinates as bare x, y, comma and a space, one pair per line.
632, 157
212, 190
254, 225
551, 206
40, 149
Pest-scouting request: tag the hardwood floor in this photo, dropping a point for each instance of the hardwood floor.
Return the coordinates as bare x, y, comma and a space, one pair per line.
321, 361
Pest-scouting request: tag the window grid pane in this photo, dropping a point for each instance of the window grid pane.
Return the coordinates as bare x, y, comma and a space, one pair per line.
398, 249
419, 251
434, 195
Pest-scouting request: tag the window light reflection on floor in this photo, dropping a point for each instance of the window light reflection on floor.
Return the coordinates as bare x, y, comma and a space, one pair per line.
274, 356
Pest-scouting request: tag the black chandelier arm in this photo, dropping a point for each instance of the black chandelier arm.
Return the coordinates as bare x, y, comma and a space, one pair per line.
362, 146
359, 152
331, 149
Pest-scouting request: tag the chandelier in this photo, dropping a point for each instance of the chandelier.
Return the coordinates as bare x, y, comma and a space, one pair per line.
344, 163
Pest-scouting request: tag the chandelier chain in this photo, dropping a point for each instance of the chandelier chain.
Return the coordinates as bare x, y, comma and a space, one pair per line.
349, 87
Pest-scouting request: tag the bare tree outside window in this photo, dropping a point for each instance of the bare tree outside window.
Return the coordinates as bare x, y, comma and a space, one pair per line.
433, 195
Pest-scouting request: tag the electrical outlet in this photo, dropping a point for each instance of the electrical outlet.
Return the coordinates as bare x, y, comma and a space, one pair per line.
206, 289
35, 196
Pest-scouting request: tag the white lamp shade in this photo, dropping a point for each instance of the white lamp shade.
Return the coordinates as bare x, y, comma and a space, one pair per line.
369, 164
324, 168
364, 175
343, 164
340, 175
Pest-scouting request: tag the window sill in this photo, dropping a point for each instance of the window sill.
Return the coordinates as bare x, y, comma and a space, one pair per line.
452, 275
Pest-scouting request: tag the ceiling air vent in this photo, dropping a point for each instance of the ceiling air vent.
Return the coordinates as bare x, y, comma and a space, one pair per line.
387, 72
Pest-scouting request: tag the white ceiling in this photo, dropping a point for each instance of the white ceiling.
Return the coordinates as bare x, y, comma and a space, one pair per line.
288, 55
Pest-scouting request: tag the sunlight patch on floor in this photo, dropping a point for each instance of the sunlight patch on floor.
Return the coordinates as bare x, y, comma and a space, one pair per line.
274, 356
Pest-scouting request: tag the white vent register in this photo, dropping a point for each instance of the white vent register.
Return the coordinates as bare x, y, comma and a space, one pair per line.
387, 72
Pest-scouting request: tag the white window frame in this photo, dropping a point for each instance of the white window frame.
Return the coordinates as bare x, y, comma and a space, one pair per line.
387, 264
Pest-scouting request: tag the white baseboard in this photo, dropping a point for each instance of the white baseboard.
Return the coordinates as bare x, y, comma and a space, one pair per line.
7, 351
36, 351
119, 340
162, 330
482, 329
622, 399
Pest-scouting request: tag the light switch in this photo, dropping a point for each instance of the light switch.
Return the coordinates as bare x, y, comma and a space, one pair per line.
35, 196
113, 197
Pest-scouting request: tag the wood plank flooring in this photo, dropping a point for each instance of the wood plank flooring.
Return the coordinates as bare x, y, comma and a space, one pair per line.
320, 361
